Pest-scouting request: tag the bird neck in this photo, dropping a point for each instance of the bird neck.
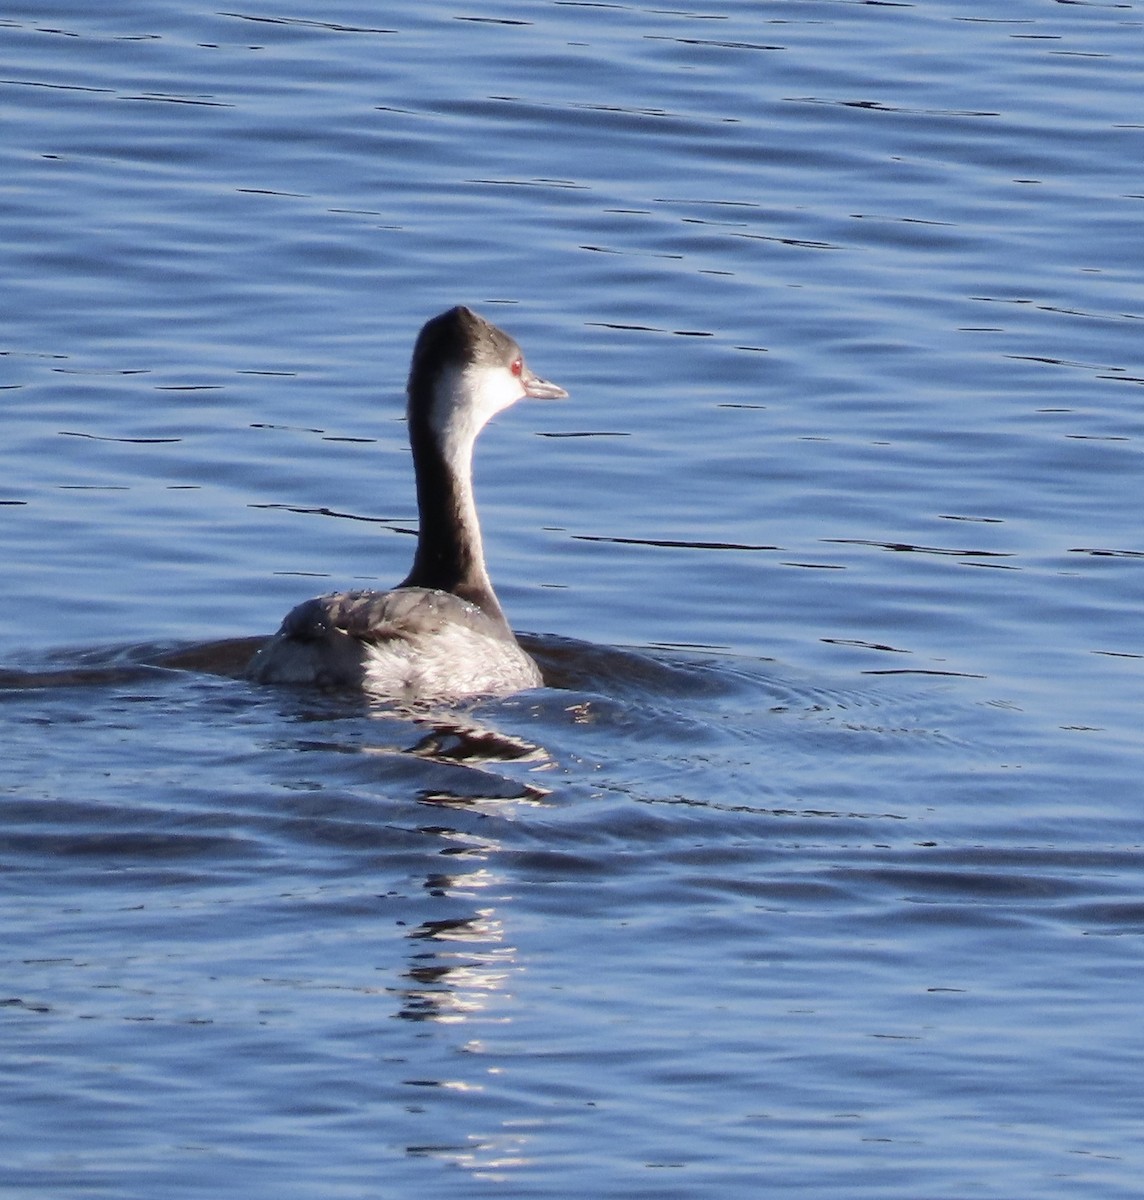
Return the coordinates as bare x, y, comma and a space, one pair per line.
450, 555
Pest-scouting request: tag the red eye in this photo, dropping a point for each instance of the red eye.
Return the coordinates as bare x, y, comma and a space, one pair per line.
517, 366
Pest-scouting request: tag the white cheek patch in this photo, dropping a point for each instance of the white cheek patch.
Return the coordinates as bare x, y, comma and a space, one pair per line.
493, 390
467, 398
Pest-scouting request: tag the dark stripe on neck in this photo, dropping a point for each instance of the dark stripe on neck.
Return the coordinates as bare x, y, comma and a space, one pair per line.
448, 554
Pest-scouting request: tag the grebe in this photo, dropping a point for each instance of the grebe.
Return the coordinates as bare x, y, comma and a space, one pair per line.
440, 635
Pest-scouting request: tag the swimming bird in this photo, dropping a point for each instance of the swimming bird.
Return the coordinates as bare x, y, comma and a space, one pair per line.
441, 634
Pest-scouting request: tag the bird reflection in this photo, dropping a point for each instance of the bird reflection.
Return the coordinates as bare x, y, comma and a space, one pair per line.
464, 742
459, 964
467, 741
526, 793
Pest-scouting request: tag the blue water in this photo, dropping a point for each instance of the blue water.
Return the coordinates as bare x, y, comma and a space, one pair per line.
818, 869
